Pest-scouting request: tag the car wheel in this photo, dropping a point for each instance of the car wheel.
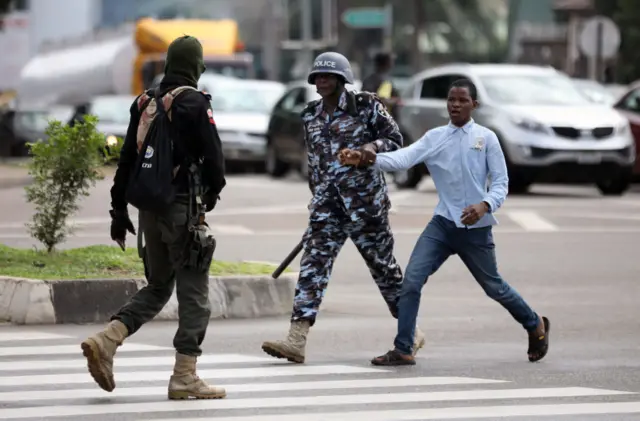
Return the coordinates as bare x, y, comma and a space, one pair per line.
519, 186
408, 179
615, 185
273, 165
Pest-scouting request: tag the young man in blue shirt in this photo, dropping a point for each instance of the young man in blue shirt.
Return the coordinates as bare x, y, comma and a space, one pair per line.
461, 157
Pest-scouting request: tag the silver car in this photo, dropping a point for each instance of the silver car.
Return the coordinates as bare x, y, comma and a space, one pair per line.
549, 131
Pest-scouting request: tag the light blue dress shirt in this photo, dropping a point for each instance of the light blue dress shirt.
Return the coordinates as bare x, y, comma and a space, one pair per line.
466, 164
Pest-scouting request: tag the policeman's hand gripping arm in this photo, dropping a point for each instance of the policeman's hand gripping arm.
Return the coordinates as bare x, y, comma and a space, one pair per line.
363, 157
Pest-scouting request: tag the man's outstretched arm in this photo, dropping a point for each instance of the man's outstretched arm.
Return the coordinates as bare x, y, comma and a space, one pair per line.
405, 158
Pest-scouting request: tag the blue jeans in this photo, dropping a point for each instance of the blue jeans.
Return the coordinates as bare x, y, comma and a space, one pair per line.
441, 239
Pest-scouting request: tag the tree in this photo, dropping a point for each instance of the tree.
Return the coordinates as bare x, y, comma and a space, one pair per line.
626, 14
63, 169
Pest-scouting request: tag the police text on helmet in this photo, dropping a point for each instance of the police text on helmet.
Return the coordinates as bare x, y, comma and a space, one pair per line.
331, 64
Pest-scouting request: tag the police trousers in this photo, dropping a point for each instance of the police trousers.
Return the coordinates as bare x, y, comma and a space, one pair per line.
323, 241
166, 236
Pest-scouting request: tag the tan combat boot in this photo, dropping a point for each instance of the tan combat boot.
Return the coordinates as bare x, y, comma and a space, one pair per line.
418, 340
291, 348
185, 383
99, 351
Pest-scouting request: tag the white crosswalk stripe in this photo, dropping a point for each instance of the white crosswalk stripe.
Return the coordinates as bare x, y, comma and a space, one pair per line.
48, 380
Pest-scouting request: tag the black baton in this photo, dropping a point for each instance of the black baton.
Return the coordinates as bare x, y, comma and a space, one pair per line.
287, 260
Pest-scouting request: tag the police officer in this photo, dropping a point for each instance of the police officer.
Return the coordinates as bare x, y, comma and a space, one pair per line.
346, 202
166, 233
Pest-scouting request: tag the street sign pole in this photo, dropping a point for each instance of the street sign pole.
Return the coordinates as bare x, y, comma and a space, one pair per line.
388, 28
599, 41
306, 22
599, 58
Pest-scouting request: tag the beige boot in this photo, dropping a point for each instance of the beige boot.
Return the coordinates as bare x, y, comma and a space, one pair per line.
185, 383
99, 350
291, 348
418, 340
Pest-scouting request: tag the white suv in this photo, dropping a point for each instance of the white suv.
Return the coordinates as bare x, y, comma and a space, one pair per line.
549, 131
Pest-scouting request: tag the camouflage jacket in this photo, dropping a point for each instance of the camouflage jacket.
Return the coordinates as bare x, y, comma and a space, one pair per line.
359, 119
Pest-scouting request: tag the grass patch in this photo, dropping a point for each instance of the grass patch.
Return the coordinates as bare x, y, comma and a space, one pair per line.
103, 262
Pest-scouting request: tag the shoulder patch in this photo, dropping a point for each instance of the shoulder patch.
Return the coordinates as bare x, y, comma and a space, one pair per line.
381, 109
210, 115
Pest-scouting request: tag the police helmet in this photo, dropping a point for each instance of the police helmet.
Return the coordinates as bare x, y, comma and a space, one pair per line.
333, 63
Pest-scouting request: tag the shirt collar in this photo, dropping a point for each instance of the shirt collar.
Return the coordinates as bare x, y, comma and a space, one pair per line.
466, 128
342, 104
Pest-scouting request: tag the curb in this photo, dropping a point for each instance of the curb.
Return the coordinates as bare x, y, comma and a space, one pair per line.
10, 183
33, 302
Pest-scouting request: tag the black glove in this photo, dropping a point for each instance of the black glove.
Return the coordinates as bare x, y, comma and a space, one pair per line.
120, 224
210, 201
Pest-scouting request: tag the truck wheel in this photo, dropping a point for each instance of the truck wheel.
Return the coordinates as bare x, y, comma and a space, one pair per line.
273, 165
408, 179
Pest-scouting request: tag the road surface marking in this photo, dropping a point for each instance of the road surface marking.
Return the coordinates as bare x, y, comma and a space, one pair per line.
148, 361
473, 412
160, 392
162, 375
606, 216
398, 198
30, 336
69, 349
297, 401
531, 221
231, 229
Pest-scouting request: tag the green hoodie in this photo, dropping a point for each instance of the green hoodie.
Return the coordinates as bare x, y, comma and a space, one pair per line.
185, 59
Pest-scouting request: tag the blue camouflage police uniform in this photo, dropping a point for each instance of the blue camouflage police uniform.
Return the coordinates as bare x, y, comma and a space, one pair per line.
347, 202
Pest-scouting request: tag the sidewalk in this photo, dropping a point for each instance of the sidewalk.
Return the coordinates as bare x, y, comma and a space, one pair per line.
14, 174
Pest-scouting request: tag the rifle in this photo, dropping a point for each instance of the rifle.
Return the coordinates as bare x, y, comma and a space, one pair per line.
287, 260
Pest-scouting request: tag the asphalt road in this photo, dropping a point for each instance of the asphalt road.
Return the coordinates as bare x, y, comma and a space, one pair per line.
570, 252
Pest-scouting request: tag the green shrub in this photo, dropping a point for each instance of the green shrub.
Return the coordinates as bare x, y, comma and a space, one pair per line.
63, 168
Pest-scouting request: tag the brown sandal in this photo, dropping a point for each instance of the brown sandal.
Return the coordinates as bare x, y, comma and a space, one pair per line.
539, 344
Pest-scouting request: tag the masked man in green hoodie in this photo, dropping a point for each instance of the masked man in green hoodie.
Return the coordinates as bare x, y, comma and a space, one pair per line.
166, 232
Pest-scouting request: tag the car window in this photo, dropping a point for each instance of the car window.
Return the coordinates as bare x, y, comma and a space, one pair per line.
245, 97
533, 89
631, 102
113, 110
35, 120
438, 87
294, 98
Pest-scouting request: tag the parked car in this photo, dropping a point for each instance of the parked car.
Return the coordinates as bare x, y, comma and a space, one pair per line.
629, 106
241, 110
112, 112
29, 125
548, 130
286, 148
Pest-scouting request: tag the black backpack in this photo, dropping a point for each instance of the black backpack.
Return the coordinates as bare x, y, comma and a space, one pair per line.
151, 186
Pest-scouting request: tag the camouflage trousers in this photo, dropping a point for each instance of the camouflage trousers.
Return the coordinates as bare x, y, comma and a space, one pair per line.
323, 241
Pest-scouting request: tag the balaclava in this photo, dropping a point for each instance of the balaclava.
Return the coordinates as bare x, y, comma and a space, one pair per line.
185, 58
